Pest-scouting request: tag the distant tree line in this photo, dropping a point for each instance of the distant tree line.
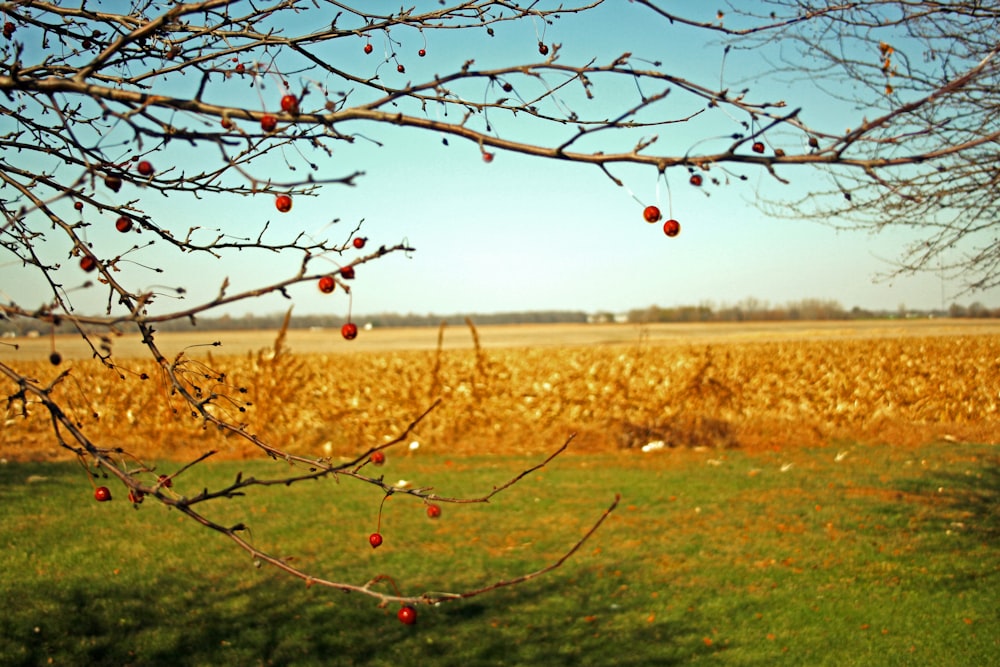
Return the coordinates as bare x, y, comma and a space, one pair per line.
747, 310
752, 309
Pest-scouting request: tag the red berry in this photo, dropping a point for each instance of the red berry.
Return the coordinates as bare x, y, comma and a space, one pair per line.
283, 203
358, 242
8, 29
268, 123
240, 68
145, 168
544, 50
327, 284
226, 123
400, 68
695, 179
422, 52
55, 358
102, 494
349, 331
651, 214
378, 458
290, 103
165, 481
671, 228
347, 273
88, 263
114, 183
433, 511
369, 48
135, 496
78, 205
123, 224
758, 147
407, 615
375, 540
507, 87
487, 157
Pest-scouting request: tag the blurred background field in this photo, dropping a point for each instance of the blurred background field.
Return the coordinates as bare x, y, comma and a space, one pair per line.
818, 494
524, 389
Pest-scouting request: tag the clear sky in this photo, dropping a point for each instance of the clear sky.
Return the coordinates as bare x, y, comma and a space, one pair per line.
527, 234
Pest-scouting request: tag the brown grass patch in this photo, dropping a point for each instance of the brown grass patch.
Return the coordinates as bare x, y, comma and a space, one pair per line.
757, 395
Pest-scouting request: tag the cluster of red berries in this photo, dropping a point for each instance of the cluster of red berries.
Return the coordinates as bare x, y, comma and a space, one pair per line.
652, 215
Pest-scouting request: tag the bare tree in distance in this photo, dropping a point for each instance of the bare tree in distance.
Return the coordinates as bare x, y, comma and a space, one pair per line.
923, 79
106, 113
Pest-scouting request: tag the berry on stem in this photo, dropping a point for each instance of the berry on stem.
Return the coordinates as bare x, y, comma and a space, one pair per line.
378, 458
78, 205
433, 511
375, 539
145, 167
283, 203
102, 494
349, 331
290, 104
268, 123
55, 358
369, 48
114, 183
400, 68
671, 228
651, 214
347, 273
544, 50
88, 263
326, 284
422, 52
359, 242
165, 481
695, 180
123, 224
758, 147
487, 157
407, 615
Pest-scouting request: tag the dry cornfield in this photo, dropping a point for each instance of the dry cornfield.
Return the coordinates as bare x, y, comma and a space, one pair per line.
770, 394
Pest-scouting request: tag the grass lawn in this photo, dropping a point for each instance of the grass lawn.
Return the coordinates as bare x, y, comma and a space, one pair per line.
862, 555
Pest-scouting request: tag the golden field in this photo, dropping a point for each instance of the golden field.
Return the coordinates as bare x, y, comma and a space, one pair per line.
516, 389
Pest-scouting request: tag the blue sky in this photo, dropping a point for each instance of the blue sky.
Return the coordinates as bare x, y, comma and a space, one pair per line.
527, 234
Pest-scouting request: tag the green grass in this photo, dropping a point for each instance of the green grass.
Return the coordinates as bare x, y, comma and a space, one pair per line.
887, 557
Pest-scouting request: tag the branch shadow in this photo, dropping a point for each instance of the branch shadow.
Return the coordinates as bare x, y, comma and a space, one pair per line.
198, 621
